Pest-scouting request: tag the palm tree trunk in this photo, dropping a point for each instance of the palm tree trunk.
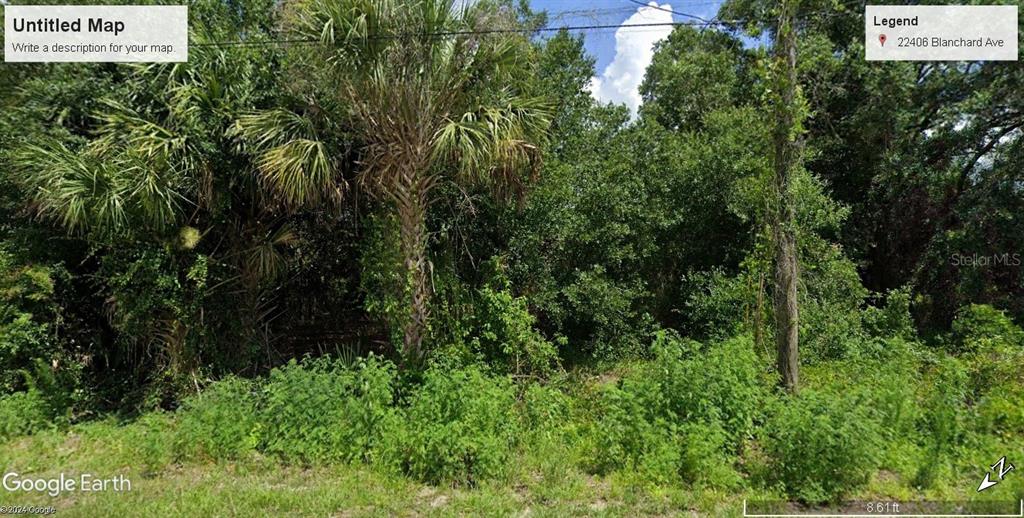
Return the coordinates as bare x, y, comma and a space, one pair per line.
787, 156
411, 199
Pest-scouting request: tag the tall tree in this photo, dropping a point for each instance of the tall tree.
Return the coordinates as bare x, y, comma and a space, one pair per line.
787, 150
427, 89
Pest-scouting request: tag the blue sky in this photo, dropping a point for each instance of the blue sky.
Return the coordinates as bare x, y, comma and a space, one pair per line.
601, 44
621, 54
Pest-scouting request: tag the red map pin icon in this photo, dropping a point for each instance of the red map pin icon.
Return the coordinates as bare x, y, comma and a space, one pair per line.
881, 39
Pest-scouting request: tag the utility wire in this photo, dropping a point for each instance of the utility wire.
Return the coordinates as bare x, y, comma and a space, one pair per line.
698, 22
714, 20
684, 15
445, 34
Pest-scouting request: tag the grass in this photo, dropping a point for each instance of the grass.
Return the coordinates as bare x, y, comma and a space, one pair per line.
263, 487
540, 484
256, 488
550, 472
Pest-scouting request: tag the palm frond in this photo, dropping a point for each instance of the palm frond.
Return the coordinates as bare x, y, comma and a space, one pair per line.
265, 259
68, 187
495, 144
292, 162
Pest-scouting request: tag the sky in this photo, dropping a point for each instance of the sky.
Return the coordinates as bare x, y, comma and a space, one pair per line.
622, 54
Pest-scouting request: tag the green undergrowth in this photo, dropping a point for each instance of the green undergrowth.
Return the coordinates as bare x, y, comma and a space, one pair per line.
694, 426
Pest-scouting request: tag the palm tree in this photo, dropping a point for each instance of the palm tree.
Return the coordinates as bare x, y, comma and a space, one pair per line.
155, 168
426, 90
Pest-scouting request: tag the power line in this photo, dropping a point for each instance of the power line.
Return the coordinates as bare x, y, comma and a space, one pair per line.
699, 22
663, 9
446, 34
588, 14
715, 21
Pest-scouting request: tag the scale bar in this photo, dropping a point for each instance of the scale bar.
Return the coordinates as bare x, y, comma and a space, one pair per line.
1019, 514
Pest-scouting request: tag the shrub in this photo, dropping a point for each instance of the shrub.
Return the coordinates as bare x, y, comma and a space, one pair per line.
704, 458
151, 440
831, 293
28, 315
821, 447
221, 422
460, 427
719, 384
321, 411
828, 331
885, 383
892, 349
506, 335
23, 413
381, 279
717, 303
977, 327
1001, 413
22, 341
546, 409
685, 405
892, 320
942, 419
555, 440
634, 430
634, 434
994, 368
891, 393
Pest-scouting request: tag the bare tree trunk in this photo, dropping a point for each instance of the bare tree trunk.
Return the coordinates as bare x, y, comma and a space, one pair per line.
787, 157
411, 201
759, 316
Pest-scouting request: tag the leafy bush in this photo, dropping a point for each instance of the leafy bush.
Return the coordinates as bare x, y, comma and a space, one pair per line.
158, 294
721, 383
993, 366
153, 440
830, 307
885, 383
684, 405
460, 427
22, 340
545, 408
704, 457
977, 327
828, 338
321, 411
1001, 413
717, 302
821, 446
506, 335
221, 422
942, 421
46, 402
23, 413
634, 430
891, 320
890, 391
381, 277
27, 314
874, 349
633, 435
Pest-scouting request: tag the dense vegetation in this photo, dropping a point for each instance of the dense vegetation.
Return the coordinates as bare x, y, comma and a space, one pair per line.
411, 251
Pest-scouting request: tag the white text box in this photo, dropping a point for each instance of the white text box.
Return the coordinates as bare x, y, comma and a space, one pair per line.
95, 33
940, 33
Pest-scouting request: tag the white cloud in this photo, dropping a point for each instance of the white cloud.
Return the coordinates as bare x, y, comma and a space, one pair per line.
634, 48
